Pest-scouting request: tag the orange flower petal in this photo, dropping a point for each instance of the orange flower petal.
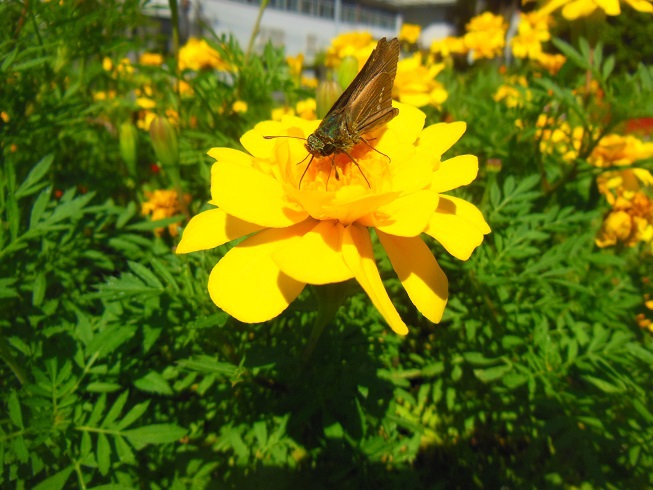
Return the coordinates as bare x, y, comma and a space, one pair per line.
419, 272
454, 173
450, 226
211, 229
253, 196
359, 257
316, 258
407, 215
248, 284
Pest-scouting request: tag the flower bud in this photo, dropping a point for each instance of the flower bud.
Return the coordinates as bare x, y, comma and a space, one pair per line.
128, 138
326, 94
347, 71
164, 141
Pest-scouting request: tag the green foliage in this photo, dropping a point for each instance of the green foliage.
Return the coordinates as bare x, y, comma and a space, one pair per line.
118, 371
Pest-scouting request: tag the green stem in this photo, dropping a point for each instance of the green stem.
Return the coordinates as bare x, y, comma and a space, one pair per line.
329, 298
255, 29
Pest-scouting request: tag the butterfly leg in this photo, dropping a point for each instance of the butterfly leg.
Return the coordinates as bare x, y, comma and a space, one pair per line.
358, 166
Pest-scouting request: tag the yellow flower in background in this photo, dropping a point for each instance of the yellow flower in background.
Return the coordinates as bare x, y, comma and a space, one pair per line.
310, 82
574, 9
319, 233
410, 33
306, 109
4, 116
614, 149
550, 62
357, 44
532, 31
239, 107
163, 204
558, 138
295, 65
107, 64
280, 112
416, 85
448, 46
102, 95
151, 59
515, 93
630, 222
486, 35
196, 54
184, 88
623, 184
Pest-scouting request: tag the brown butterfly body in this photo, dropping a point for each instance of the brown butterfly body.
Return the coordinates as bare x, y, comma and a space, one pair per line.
365, 106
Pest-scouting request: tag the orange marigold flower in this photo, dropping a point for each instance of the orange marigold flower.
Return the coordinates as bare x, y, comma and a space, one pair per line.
319, 233
614, 149
163, 204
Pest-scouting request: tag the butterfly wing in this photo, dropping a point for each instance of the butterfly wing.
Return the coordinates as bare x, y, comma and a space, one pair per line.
372, 106
383, 59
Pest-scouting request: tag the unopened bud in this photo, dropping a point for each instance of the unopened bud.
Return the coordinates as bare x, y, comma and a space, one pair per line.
347, 71
128, 137
164, 141
326, 94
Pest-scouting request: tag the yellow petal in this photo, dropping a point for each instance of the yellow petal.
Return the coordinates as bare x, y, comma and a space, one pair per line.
248, 284
578, 8
457, 227
641, 5
232, 156
253, 196
407, 215
408, 123
454, 173
419, 272
358, 255
316, 258
438, 138
211, 229
611, 7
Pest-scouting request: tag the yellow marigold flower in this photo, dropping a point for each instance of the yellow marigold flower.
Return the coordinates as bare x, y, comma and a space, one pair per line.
310, 82
196, 54
306, 109
280, 112
151, 59
145, 119
410, 33
551, 62
416, 85
559, 138
448, 46
532, 31
102, 95
163, 204
614, 149
319, 233
107, 64
145, 103
125, 67
185, 89
486, 35
515, 94
357, 44
239, 106
4, 116
574, 9
295, 64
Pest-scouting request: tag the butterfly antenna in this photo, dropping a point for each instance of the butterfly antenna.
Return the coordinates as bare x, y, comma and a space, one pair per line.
305, 170
359, 167
380, 153
284, 136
